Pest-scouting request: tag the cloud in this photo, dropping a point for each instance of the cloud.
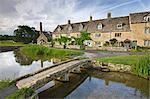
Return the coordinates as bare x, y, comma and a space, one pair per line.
54, 12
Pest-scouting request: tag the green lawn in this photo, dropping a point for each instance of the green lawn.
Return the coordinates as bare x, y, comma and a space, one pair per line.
38, 50
128, 60
140, 63
11, 43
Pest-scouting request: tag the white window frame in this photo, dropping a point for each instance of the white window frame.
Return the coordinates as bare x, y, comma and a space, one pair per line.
147, 30
119, 26
99, 26
147, 18
147, 42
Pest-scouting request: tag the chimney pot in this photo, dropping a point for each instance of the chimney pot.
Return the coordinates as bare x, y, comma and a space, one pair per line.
40, 27
91, 18
109, 15
69, 22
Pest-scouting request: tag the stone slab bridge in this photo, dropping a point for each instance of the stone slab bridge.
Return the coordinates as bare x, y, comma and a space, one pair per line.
57, 72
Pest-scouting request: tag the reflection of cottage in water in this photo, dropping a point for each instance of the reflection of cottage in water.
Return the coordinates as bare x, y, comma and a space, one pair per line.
43, 38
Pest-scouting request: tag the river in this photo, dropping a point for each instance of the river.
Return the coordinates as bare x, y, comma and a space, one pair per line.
94, 84
90, 84
14, 64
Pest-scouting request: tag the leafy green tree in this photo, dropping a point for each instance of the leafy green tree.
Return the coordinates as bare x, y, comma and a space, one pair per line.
64, 40
25, 34
83, 36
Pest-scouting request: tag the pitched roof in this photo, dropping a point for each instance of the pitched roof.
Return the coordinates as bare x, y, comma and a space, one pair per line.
138, 17
109, 25
46, 33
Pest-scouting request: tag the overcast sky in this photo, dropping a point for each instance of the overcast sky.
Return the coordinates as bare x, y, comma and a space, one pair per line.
54, 12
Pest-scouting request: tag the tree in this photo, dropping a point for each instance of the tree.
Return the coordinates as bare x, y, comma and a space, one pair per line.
83, 36
25, 34
64, 40
52, 41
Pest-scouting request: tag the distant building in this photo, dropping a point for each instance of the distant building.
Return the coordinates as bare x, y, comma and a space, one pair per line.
43, 36
134, 28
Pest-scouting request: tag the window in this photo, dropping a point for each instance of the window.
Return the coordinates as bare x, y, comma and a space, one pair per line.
119, 26
59, 28
99, 26
147, 30
117, 34
98, 43
147, 42
147, 18
97, 35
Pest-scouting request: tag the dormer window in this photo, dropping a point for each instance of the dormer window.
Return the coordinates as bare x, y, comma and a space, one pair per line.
81, 27
99, 26
59, 28
147, 18
119, 26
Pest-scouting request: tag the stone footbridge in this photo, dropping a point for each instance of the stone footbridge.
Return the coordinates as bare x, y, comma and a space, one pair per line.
59, 72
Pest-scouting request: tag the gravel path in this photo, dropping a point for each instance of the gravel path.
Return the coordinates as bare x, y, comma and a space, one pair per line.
95, 54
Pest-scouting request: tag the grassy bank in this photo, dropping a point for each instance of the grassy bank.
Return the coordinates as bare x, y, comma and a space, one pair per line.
5, 83
127, 60
38, 50
11, 43
140, 63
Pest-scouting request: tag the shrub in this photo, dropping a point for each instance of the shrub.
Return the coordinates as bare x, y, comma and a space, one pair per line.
142, 67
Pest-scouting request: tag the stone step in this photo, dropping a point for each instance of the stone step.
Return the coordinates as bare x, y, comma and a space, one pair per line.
104, 67
105, 70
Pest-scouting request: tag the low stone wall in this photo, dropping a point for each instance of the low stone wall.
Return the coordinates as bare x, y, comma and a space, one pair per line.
73, 46
107, 48
112, 67
68, 46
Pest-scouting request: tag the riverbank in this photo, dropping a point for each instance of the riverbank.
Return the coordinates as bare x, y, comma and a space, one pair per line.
8, 48
134, 64
9, 45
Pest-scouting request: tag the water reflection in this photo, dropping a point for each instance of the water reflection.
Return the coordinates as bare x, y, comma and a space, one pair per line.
15, 64
99, 85
22, 59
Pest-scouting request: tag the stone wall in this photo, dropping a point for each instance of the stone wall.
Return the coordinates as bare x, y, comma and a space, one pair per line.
111, 66
68, 46
107, 48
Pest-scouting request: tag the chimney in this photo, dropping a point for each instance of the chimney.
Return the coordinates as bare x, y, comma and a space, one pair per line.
90, 18
109, 15
40, 27
69, 22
